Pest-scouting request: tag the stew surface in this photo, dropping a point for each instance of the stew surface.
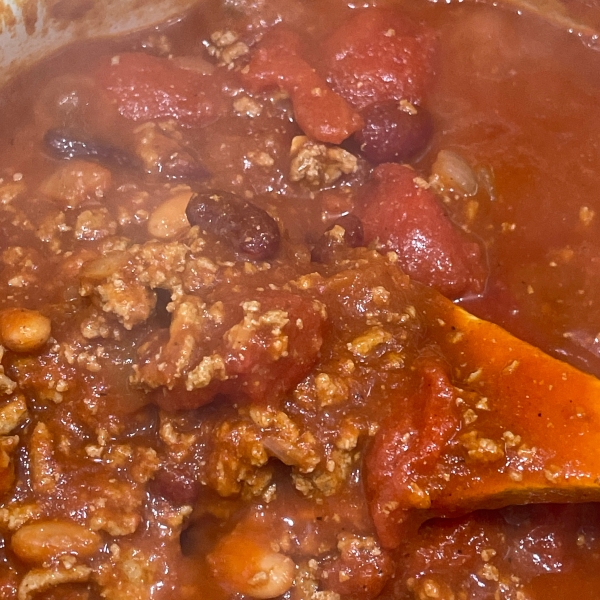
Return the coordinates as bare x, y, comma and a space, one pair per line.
225, 245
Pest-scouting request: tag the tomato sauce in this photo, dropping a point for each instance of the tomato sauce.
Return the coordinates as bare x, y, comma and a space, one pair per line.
230, 362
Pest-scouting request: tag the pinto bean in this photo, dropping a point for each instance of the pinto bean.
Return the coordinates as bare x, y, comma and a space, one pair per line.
251, 230
23, 330
104, 266
62, 143
345, 231
394, 132
43, 541
77, 182
250, 568
275, 578
169, 218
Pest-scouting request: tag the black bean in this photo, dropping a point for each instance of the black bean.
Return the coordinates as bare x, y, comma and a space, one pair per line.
250, 229
392, 134
327, 245
62, 143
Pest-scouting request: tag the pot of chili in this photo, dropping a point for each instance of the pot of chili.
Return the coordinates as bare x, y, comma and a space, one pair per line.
238, 249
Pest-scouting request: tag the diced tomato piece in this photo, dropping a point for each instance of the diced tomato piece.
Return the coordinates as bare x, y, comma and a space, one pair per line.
410, 220
359, 572
380, 55
264, 354
147, 87
177, 483
322, 114
275, 358
536, 540
406, 449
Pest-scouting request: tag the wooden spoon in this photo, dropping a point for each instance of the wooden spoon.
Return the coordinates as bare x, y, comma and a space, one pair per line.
496, 422
531, 423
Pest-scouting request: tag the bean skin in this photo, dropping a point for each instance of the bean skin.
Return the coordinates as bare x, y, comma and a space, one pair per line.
352, 237
62, 143
391, 134
250, 229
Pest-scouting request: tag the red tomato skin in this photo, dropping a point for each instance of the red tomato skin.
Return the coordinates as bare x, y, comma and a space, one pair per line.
380, 55
322, 114
406, 448
259, 375
146, 87
253, 372
403, 217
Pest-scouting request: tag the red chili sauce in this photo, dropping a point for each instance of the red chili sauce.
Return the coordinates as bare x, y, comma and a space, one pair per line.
218, 243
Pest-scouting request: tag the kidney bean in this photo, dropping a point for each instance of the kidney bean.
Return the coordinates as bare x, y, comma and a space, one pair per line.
251, 229
394, 134
178, 163
62, 143
345, 231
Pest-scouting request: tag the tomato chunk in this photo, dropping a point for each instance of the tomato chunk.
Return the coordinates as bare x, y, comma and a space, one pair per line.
146, 87
405, 451
272, 351
265, 349
360, 571
322, 114
380, 55
409, 220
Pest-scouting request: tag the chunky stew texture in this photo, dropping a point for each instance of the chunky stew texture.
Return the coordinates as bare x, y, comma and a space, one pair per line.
236, 255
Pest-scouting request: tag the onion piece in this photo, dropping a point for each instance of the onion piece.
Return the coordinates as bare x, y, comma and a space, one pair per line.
452, 172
